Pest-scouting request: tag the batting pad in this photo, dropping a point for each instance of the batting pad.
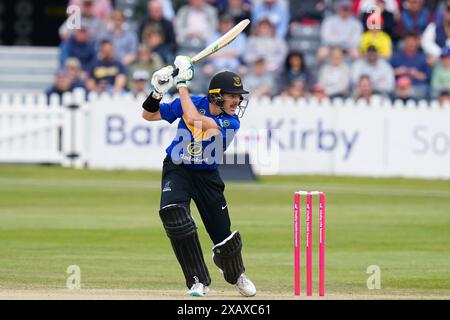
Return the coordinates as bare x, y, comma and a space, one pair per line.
227, 256
182, 232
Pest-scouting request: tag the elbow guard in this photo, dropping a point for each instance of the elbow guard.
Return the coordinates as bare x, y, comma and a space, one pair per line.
151, 104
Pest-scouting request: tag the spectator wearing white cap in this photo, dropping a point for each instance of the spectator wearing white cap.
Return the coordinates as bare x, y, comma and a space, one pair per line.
73, 68
147, 60
341, 30
140, 83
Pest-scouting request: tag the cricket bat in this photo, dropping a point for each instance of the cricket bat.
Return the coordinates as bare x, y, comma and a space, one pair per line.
219, 43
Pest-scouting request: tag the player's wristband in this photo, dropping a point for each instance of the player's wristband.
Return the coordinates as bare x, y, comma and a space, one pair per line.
151, 104
181, 84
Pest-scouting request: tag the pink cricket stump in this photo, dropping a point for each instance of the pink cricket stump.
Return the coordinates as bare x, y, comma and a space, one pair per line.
297, 244
322, 244
309, 244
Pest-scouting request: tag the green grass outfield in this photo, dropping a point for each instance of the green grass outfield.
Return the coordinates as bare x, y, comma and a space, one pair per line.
107, 223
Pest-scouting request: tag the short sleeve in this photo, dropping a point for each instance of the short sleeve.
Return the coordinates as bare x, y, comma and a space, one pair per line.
228, 126
171, 111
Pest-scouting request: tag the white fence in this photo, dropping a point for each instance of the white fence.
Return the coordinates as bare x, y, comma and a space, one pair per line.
282, 136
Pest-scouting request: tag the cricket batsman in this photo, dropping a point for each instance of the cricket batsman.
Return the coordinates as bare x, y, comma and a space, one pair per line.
206, 128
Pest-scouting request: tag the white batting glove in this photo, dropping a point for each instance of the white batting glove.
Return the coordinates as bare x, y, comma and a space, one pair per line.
185, 71
162, 81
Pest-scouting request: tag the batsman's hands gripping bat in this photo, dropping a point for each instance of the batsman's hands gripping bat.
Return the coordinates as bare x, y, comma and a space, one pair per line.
218, 44
185, 69
162, 81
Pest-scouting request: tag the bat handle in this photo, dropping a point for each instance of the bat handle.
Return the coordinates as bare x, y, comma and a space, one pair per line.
174, 74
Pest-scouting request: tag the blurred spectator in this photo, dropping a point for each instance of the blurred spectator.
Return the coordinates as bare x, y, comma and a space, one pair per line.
294, 68
364, 89
379, 39
100, 8
296, 90
81, 47
410, 62
140, 83
168, 12
372, 18
342, 30
107, 74
363, 7
154, 40
441, 73
264, 42
404, 90
444, 97
61, 85
93, 23
258, 81
319, 92
414, 17
195, 23
307, 12
239, 10
72, 67
436, 37
124, 41
147, 61
274, 10
156, 22
229, 57
380, 72
335, 76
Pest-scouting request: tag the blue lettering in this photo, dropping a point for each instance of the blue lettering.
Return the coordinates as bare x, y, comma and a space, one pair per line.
323, 139
271, 136
322, 133
145, 134
303, 139
115, 131
349, 143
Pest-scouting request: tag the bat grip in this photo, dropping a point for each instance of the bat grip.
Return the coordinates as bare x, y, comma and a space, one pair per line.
174, 74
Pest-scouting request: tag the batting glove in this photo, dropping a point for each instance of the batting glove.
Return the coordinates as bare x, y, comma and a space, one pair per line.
162, 81
185, 71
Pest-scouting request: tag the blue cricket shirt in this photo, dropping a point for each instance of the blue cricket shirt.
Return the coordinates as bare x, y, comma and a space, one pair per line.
191, 146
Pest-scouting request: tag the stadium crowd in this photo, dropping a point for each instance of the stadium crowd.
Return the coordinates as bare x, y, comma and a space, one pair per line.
391, 48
